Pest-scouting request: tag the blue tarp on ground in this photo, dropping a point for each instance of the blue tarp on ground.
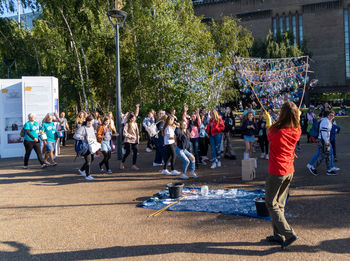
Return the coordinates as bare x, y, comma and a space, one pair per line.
226, 201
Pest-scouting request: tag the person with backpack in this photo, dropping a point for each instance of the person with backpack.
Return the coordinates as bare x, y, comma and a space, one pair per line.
324, 145
104, 136
30, 133
86, 134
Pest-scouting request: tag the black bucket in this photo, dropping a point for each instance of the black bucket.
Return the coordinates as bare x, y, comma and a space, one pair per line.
175, 189
261, 208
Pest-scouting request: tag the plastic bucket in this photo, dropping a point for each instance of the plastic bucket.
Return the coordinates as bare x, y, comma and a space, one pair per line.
175, 189
261, 208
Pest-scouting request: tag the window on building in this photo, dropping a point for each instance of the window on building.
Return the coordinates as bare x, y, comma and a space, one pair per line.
300, 29
274, 27
294, 26
287, 23
281, 25
346, 42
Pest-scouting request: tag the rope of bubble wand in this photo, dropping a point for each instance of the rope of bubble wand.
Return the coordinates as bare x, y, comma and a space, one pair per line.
307, 68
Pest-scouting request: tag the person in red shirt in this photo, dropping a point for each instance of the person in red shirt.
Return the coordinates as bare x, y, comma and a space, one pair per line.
214, 130
283, 136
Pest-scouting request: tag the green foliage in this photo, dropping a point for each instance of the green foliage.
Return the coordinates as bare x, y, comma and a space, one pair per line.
281, 46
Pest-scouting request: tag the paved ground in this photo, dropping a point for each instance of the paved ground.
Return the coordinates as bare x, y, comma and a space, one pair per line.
54, 214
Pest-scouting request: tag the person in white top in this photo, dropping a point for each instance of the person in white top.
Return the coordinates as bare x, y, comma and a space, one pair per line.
324, 144
169, 142
87, 133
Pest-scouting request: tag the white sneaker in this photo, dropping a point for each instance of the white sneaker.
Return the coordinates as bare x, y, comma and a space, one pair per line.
165, 172
169, 164
262, 155
89, 178
335, 168
174, 172
148, 150
184, 176
213, 166
309, 166
193, 175
219, 164
205, 158
82, 173
267, 156
157, 164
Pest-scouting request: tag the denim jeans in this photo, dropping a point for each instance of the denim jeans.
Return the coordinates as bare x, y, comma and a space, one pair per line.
195, 143
161, 153
185, 156
314, 158
215, 143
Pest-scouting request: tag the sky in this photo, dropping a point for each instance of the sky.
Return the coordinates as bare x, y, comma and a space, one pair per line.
8, 13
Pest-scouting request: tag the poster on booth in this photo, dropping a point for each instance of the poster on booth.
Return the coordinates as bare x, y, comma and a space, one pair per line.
18, 98
11, 121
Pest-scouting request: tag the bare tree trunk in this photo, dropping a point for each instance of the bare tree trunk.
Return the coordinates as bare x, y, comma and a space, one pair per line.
78, 60
87, 78
137, 61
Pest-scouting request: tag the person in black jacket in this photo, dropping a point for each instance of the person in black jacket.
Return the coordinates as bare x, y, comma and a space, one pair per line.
183, 145
262, 137
249, 128
229, 121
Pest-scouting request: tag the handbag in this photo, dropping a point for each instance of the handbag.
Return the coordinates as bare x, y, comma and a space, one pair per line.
94, 146
112, 145
43, 136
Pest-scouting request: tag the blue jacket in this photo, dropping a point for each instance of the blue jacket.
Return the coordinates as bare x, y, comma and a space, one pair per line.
335, 129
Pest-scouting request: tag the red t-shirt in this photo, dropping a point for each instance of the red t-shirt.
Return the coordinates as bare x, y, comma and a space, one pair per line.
282, 145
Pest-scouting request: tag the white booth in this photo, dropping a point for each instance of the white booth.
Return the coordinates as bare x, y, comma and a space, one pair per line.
18, 98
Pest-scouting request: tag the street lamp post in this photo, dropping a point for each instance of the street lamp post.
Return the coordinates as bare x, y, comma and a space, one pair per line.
117, 19
9, 62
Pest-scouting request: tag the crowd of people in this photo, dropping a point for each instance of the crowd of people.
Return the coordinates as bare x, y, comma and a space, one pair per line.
188, 139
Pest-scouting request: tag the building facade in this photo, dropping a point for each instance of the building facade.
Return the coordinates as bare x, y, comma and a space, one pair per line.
324, 25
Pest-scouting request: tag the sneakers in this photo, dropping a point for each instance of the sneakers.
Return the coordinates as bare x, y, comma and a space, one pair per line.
213, 166
312, 170
262, 155
205, 158
193, 175
267, 156
89, 178
148, 150
157, 164
82, 173
25, 167
331, 172
174, 172
101, 168
219, 164
109, 171
184, 176
54, 164
134, 167
165, 172
288, 242
335, 168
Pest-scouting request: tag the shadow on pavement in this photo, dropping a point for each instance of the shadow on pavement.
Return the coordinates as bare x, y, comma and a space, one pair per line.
22, 252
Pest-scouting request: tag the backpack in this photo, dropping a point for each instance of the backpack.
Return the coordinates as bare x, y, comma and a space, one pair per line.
22, 132
315, 129
81, 147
